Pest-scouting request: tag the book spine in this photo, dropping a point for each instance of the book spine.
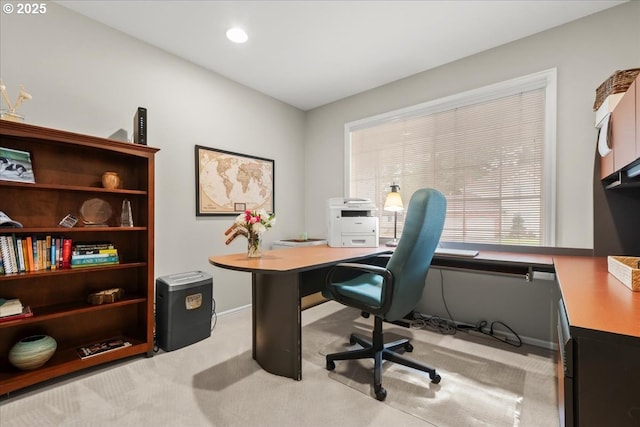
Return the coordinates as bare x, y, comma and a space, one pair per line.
12, 254
20, 253
109, 259
30, 253
93, 256
6, 260
52, 255
25, 253
94, 251
48, 249
93, 245
66, 253
59, 252
42, 254
97, 264
36, 261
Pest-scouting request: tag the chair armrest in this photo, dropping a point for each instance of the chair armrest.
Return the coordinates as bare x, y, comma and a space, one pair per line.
387, 286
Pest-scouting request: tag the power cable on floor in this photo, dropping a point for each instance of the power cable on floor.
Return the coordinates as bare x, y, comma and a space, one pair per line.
450, 327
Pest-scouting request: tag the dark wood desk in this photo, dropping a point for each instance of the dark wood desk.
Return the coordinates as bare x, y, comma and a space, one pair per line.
598, 384
279, 280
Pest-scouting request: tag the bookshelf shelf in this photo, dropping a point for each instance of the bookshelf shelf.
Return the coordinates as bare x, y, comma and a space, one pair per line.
43, 314
68, 231
65, 360
53, 187
68, 168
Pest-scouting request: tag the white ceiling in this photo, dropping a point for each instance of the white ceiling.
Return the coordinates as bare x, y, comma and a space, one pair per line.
310, 53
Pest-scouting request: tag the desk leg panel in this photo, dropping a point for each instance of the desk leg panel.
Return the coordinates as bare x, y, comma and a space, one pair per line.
277, 323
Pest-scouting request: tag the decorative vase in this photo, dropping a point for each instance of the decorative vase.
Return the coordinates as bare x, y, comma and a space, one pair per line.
32, 352
110, 180
254, 246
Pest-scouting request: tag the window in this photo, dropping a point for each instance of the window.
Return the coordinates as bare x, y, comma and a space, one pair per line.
491, 151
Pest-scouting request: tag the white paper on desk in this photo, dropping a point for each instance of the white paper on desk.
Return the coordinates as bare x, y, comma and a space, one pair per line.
603, 136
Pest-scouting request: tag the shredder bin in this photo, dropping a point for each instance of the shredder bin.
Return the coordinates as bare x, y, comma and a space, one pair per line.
183, 309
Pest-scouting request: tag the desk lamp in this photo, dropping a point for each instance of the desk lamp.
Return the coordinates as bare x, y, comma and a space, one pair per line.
393, 203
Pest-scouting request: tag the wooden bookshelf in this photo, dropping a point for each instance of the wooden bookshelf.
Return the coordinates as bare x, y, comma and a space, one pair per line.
68, 168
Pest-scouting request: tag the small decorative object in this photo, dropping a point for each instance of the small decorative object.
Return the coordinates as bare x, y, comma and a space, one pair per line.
68, 221
11, 113
126, 218
106, 297
251, 224
111, 180
95, 213
15, 165
32, 352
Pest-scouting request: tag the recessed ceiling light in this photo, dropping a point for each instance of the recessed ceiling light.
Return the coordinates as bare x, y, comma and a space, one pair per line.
237, 35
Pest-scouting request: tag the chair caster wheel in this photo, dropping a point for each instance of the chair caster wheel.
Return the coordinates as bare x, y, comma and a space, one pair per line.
331, 365
436, 379
381, 394
408, 347
352, 340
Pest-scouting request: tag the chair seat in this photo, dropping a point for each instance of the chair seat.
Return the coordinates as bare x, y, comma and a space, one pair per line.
366, 288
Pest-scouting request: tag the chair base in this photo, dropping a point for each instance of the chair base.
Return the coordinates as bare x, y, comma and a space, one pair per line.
379, 351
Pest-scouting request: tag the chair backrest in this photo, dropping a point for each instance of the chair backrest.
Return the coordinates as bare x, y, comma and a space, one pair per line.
411, 259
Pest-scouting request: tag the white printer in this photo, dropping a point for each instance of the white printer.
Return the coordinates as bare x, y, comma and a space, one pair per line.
351, 222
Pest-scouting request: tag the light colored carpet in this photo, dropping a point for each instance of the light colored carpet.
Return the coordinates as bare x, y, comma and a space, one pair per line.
215, 382
474, 390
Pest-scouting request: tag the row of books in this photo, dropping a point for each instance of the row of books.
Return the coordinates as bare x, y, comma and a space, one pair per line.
20, 254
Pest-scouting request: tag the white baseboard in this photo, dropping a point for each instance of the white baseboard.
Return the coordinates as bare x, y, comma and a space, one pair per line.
233, 310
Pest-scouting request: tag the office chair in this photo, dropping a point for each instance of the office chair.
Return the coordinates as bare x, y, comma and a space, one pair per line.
390, 293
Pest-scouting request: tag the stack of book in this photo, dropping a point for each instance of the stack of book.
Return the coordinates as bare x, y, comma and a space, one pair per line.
12, 309
93, 254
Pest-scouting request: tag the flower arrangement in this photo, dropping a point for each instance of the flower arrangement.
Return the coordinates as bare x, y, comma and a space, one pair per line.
251, 224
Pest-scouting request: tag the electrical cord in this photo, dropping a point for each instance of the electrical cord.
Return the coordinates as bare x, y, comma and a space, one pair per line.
214, 315
449, 327
433, 323
483, 323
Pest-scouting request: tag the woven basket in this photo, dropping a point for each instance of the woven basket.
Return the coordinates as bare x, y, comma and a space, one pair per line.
618, 82
625, 269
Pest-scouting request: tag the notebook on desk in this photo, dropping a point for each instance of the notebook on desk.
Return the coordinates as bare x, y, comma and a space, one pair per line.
470, 253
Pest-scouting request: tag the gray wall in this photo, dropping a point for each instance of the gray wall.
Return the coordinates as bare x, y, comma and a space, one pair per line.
88, 78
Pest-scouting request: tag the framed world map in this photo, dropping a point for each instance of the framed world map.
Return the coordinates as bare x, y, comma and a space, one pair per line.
229, 183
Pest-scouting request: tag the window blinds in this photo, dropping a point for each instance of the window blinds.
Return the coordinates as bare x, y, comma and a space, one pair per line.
487, 157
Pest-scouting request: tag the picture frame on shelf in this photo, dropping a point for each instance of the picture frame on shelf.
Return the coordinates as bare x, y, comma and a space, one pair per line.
15, 165
229, 183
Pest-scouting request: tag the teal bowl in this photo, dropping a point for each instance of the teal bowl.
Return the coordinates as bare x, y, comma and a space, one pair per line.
32, 352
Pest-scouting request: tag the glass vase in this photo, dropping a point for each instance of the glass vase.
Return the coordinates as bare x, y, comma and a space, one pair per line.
254, 246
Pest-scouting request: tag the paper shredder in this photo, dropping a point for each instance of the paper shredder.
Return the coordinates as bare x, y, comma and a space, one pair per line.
184, 309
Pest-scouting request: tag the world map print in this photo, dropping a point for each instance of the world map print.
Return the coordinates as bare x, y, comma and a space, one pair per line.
231, 183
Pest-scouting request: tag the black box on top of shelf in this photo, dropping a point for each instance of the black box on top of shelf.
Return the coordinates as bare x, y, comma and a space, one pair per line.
184, 308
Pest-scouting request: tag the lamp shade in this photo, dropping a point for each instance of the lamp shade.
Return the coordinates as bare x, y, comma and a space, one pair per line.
393, 203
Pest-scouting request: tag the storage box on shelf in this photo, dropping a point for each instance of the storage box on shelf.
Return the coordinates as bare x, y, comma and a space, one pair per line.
68, 169
623, 141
